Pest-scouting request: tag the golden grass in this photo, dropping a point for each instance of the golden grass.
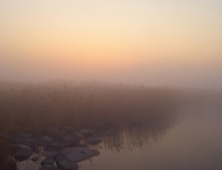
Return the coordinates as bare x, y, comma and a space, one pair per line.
34, 107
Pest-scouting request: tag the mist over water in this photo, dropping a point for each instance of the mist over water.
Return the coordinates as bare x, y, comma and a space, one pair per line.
154, 74
150, 70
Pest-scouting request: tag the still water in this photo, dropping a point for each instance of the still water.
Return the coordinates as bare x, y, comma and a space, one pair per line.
192, 142
187, 140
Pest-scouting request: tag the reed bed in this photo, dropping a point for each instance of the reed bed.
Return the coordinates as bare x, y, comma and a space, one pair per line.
61, 103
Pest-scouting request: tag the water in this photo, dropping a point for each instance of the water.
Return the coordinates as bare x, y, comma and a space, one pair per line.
192, 142
189, 140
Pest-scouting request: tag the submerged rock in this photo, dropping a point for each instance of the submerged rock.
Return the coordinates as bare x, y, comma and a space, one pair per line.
22, 154
94, 140
75, 154
67, 165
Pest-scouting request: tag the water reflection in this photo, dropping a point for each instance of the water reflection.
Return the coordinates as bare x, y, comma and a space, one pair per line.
124, 138
131, 137
192, 143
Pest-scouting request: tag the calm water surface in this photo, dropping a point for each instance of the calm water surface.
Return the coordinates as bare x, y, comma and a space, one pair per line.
194, 142
191, 140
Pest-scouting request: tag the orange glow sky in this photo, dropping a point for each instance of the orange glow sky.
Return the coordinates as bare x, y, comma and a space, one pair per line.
143, 41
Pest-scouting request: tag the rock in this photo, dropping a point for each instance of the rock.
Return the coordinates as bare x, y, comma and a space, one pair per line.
47, 139
26, 141
72, 138
87, 132
60, 157
75, 154
35, 149
22, 154
48, 160
48, 167
80, 135
5, 137
44, 141
36, 158
61, 133
21, 134
69, 129
94, 140
16, 147
51, 130
48, 153
62, 145
68, 165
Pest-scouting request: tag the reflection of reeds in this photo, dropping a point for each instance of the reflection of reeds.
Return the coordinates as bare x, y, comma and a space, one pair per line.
130, 137
62, 103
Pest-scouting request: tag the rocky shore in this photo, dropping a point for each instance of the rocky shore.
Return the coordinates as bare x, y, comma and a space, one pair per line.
55, 148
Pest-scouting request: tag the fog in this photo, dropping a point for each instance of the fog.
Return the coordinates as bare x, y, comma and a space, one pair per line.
182, 75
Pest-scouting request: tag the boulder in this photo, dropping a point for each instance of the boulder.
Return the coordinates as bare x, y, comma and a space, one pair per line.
48, 160
62, 145
72, 138
49, 167
25, 141
47, 139
21, 134
67, 165
87, 132
94, 140
49, 153
22, 154
44, 141
35, 158
69, 129
16, 147
75, 154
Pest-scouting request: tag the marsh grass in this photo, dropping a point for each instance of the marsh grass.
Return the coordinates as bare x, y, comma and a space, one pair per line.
59, 103
30, 107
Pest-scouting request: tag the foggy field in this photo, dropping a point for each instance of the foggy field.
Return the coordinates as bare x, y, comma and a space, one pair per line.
61, 103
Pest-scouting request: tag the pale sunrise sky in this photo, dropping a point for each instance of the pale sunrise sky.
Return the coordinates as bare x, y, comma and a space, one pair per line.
161, 42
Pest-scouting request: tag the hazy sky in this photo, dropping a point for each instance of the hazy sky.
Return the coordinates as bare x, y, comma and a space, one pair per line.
161, 42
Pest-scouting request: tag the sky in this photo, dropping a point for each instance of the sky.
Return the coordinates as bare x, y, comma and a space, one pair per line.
174, 42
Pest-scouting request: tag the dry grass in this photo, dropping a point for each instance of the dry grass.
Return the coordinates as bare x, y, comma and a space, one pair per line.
33, 107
